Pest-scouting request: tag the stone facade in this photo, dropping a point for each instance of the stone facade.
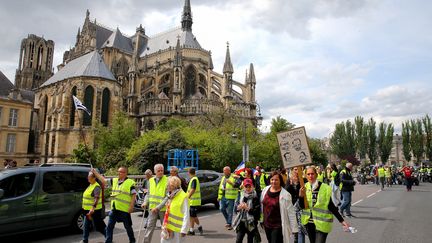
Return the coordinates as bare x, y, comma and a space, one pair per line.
149, 78
15, 122
35, 63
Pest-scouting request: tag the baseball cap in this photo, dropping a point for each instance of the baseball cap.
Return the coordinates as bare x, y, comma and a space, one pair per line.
247, 182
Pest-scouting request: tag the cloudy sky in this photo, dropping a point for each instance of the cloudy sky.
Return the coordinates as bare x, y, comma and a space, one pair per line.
317, 62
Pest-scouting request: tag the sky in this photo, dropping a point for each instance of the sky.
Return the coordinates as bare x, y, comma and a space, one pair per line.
317, 62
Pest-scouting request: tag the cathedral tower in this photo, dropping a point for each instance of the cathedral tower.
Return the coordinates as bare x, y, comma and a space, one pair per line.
35, 63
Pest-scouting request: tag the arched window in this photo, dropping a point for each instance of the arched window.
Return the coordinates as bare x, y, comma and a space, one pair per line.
190, 83
45, 109
88, 102
72, 108
106, 96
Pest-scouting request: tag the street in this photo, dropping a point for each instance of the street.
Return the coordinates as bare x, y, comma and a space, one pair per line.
392, 215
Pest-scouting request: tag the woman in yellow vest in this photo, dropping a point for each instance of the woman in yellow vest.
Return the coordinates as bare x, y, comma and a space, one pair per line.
176, 219
92, 206
318, 217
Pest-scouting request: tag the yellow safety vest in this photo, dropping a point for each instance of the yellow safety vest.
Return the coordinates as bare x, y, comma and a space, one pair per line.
320, 177
333, 175
88, 200
387, 173
120, 194
157, 192
381, 172
230, 191
262, 180
322, 217
195, 199
175, 216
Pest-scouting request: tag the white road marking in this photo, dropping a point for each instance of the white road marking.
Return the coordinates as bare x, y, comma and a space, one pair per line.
357, 202
371, 195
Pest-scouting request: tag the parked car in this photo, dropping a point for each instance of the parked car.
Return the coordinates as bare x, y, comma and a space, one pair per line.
41, 197
209, 185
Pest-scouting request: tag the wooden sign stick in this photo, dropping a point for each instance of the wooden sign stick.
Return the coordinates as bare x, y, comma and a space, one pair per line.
300, 175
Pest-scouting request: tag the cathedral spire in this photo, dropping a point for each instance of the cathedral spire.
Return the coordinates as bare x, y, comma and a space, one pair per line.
228, 68
187, 17
178, 55
252, 74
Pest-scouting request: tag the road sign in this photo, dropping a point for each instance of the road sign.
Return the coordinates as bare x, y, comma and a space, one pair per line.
294, 147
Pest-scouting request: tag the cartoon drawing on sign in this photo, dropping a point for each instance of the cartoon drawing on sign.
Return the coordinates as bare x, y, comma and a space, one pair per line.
302, 157
296, 143
287, 156
284, 145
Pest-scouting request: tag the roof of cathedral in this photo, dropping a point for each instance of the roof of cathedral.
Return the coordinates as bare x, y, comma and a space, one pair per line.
88, 65
119, 41
169, 39
102, 34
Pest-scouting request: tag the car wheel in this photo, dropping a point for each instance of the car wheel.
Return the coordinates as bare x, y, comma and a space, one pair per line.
78, 222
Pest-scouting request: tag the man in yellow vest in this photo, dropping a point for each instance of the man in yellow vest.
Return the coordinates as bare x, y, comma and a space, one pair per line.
155, 200
261, 180
123, 196
381, 175
92, 206
194, 196
226, 196
388, 175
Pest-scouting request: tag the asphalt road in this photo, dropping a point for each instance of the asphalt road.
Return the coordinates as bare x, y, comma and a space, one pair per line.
392, 215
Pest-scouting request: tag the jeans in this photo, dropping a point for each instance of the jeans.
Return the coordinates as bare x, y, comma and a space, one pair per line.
151, 225
346, 202
98, 223
382, 181
409, 183
119, 216
274, 235
227, 207
315, 236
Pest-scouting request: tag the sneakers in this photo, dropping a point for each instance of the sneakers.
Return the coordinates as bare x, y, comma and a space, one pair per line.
351, 216
200, 230
229, 227
190, 232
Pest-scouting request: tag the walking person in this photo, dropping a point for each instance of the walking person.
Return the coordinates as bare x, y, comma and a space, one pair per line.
407, 174
145, 187
92, 207
176, 218
388, 176
174, 171
248, 213
260, 179
348, 183
123, 195
335, 185
155, 202
381, 175
194, 197
293, 187
279, 218
318, 218
227, 194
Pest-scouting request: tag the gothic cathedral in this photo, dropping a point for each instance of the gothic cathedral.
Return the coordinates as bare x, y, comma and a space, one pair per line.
150, 78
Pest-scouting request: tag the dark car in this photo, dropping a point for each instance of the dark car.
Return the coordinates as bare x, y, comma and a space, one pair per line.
209, 184
41, 197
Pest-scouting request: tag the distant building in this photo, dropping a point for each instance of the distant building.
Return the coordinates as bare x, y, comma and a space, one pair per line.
15, 122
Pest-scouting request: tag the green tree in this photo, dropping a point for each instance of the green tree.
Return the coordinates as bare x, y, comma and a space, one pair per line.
385, 141
280, 124
428, 133
406, 138
342, 141
319, 156
417, 139
372, 141
83, 154
113, 142
361, 137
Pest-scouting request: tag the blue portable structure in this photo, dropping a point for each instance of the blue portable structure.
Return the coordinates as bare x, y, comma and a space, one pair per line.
183, 158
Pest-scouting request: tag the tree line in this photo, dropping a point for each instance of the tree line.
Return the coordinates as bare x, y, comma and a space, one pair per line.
218, 137
365, 141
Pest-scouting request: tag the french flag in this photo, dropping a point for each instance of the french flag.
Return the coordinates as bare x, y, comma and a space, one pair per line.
240, 167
